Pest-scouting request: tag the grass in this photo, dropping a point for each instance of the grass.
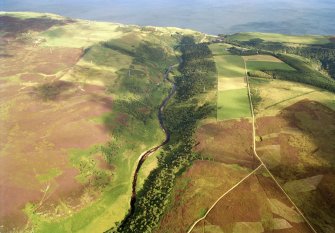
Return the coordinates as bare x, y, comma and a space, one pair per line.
232, 98
273, 37
261, 58
150, 164
50, 175
233, 104
80, 34
230, 66
268, 65
278, 94
219, 49
231, 83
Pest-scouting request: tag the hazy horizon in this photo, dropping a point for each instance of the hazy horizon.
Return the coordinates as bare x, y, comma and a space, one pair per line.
211, 16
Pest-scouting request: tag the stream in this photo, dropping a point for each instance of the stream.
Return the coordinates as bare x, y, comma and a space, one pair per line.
149, 152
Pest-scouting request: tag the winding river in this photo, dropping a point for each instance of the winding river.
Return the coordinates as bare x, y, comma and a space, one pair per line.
149, 152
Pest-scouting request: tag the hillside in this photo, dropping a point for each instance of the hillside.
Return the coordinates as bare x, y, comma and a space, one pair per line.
124, 128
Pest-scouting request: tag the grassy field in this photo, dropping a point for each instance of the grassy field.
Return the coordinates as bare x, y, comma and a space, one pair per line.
265, 62
150, 164
220, 49
305, 39
233, 104
268, 58
267, 65
80, 34
278, 94
232, 96
230, 66
27, 15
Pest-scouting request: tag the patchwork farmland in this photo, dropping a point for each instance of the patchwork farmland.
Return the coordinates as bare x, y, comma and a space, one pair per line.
232, 97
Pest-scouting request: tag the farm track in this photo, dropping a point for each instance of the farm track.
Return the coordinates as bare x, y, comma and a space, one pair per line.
261, 165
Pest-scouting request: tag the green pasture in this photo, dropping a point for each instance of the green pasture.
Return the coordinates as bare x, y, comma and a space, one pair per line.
219, 49
149, 165
233, 104
230, 66
268, 65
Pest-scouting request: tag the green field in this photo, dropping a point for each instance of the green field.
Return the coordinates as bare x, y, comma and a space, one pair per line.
268, 65
220, 49
232, 99
230, 66
233, 104
273, 37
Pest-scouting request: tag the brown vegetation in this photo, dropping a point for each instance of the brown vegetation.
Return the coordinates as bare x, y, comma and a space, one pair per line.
14, 26
304, 134
196, 190
256, 205
228, 142
36, 135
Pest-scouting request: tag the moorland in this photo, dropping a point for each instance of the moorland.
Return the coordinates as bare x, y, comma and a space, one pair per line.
122, 128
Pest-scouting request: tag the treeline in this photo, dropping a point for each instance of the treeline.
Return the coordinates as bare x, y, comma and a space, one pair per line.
180, 117
324, 55
303, 74
198, 71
